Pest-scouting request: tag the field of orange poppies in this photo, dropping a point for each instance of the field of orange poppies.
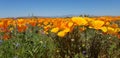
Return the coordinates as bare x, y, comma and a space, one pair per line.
74, 37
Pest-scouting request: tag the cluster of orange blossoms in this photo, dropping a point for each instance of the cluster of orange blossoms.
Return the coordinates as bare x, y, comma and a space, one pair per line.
61, 26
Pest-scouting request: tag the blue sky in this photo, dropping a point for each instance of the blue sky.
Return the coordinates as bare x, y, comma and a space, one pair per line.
16, 8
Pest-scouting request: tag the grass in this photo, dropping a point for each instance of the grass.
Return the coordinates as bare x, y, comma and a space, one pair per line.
34, 43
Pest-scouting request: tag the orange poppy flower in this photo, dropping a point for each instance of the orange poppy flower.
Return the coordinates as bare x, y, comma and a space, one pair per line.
97, 24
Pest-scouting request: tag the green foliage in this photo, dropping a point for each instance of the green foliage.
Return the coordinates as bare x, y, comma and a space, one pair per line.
33, 43
28, 45
90, 43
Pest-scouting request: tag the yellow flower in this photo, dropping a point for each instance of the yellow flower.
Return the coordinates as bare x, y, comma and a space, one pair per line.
45, 23
67, 30
117, 30
114, 25
79, 21
20, 21
104, 29
70, 24
110, 28
89, 19
97, 24
107, 23
61, 34
55, 30
1, 24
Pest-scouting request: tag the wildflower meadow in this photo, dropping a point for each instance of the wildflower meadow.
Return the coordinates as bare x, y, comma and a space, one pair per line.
71, 37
